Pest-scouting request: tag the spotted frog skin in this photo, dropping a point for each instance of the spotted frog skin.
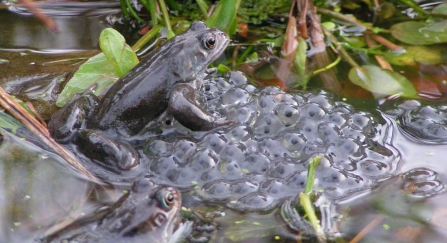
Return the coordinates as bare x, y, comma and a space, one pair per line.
147, 213
167, 79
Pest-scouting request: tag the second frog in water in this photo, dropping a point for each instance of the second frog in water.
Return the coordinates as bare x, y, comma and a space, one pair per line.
147, 213
167, 78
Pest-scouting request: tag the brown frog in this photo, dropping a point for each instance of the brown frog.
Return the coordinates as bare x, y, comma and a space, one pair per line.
147, 213
167, 79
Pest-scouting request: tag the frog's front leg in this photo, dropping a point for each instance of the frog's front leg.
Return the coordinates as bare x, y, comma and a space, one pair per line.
116, 155
67, 120
184, 109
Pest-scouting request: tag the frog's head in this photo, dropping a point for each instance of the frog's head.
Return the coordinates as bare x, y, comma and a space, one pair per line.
196, 48
149, 209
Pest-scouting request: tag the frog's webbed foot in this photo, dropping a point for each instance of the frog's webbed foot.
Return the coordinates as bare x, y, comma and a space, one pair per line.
117, 155
67, 120
185, 110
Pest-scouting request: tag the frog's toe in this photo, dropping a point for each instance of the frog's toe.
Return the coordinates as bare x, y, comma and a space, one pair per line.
184, 109
117, 155
66, 121
223, 122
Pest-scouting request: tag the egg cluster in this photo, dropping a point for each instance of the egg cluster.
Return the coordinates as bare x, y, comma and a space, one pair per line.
422, 122
262, 158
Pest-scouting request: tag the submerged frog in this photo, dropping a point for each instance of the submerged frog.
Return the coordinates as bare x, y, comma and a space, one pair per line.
167, 79
147, 213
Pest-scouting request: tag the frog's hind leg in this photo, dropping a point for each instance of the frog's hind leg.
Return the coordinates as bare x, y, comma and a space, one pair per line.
66, 121
184, 108
116, 155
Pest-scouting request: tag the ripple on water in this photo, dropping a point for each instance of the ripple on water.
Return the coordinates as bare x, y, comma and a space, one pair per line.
262, 159
422, 182
420, 122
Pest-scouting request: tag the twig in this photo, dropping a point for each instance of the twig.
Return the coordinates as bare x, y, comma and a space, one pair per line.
380, 59
367, 229
385, 42
36, 114
352, 20
45, 19
16, 110
328, 77
340, 49
302, 7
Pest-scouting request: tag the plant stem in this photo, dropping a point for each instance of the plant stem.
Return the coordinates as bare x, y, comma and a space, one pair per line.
203, 7
310, 212
341, 49
146, 38
164, 10
352, 20
150, 6
312, 167
132, 11
415, 6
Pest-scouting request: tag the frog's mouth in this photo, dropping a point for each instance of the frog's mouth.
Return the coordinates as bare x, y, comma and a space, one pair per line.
222, 37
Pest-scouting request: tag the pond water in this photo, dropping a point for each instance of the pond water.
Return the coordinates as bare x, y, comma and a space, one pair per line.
396, 194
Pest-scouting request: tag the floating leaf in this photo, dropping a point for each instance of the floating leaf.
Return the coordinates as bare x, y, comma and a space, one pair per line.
117, 52
381, 82
440, 9
97, 70
412, 55
420, 33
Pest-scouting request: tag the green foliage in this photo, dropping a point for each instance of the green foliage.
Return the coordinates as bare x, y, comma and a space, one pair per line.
9, 122
412, 55
116, 60
420, 33
300, 57
381, 82
224, 16
256, 11
117, 52
440, 9
311, 169
97, 70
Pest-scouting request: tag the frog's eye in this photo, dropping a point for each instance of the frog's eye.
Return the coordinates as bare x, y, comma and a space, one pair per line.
167, 200
210, 42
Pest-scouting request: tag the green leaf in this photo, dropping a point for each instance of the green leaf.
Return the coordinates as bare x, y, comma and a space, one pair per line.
223, 69
301, 57
440, 9
96, 70
276, 42
329, 25
224, 16
412, 55
253, 57
354, 41
117, 52
420, 33
381, 82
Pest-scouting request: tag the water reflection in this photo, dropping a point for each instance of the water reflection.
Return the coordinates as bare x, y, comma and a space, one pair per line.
37, 190
79, 25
